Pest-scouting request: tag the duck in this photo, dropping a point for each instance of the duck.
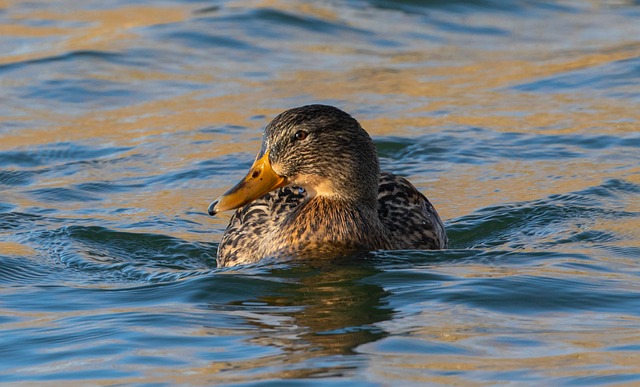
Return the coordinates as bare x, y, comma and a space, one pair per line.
315, 190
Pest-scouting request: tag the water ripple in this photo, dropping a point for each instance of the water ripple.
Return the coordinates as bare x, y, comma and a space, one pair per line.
548, 222
56, 153
68, 56
119, 120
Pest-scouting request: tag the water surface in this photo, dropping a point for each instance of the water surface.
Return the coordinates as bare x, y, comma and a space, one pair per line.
120, 122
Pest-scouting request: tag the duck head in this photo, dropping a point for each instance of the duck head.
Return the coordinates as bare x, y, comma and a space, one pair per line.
319, 148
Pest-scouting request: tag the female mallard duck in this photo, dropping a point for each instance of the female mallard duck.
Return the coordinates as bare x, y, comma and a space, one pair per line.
316, 190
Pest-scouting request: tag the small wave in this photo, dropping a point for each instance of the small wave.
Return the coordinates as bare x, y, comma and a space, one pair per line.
542, 294
98, 255
16, 178
66, 57
76, 91
619, 79
476, 146
55, 153
20, 270
548, 222
512, 9
137, 256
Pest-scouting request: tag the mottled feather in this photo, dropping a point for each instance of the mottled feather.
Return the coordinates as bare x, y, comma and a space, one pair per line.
246, 235
408, 218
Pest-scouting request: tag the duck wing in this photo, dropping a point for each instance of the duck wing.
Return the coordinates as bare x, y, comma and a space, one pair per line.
410, 219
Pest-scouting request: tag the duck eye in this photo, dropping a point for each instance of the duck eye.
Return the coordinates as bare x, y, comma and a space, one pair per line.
300, 135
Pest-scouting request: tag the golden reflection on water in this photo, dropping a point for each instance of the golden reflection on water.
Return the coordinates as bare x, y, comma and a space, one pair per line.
474, 95
133, 125
16, 249
586, 354
471, 94
103, 29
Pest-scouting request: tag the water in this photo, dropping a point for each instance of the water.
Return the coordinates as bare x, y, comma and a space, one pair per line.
121, 121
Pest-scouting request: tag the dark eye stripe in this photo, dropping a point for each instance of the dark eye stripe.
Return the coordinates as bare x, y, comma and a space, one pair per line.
300, 135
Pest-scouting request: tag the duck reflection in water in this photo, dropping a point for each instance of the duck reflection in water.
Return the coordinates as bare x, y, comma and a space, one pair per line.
317, 312
316, 190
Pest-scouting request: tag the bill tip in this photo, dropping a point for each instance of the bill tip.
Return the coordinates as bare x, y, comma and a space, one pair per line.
212, 208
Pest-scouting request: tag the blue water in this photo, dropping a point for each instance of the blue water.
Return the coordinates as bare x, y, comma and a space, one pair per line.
121, 121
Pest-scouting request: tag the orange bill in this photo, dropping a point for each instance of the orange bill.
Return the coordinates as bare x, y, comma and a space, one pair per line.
260, 180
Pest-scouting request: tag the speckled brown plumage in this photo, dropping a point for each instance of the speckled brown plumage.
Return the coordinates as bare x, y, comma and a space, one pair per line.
345, 204
410, 220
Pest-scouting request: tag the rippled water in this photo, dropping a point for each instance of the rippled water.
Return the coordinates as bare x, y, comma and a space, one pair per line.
121, 121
